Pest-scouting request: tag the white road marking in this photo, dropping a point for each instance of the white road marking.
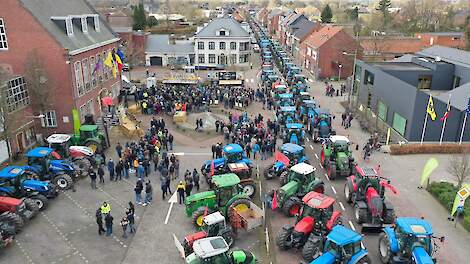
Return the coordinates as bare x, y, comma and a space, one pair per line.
321, 166
316, 156
191, 153
173, 199
260, 191
352, 225
267, 240
310, 147
252, 80
334, 190
308, 139
328, 178
342, 206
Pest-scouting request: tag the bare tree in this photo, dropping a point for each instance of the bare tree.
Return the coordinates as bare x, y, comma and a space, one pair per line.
40, 86
459, 167
10, 119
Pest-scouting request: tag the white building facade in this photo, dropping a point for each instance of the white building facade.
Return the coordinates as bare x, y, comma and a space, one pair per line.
222, 43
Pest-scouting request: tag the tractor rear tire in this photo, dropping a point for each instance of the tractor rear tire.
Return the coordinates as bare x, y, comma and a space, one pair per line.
291, 206
198, 217
228, 235
364, 260
384, 249
32, 206
267, 175
332, 170
232, 208
13, 220
389, 216
40, 200
348, 191
312, 248
284, 238
249, 188
360, 214
82, 166
63, 181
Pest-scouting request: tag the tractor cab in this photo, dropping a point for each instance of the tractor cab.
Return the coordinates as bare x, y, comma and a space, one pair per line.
213, 223
226, 186
367, 177
286, 114
92, 138
339, 143
342, 246
317, 205
286, 99
305, 96
233, 153
45, 160
209, 250
279, 89
267, 70
299, 78
62, 145
294, 133
287, 65
15, 180
302, 173
294, 152
292, 71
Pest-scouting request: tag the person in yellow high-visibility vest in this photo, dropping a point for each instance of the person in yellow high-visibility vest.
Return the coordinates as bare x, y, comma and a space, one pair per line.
181, 188
105, 208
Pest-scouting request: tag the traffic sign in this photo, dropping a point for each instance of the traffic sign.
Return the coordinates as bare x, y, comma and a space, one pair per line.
463, 193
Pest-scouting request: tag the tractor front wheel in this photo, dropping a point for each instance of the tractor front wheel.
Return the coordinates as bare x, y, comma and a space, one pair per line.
13, 220
63, 181
360, 214
332, 170
32, 206
82, 165
268, 174
291, 207
284, 237
198, 217
348, 191
41, 201
312, 248
364, 260
384, 248
389, 216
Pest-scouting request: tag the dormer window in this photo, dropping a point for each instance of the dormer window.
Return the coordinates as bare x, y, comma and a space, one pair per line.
96, 19
84, 25
222, 33
69, 26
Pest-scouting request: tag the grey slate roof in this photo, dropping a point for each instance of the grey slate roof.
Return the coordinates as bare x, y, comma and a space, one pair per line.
274, 13
303, 28
43, 10
156, 43
446, 54
459, 97
228, 23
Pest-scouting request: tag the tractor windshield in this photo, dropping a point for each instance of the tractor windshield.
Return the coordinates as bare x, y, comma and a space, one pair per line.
233, 157
351, 249
410, 241
333, 248
224, 194
88, 134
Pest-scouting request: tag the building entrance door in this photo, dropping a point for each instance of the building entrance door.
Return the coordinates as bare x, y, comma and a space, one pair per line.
19, 140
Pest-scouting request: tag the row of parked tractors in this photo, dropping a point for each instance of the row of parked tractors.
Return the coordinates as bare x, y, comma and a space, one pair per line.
318, 231
26, 190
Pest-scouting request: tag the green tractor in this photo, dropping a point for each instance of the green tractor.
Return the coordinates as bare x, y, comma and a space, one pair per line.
298, 182
336, 157
227, 197
90, 136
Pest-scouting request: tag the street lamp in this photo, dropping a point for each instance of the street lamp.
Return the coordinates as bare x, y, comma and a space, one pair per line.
339, 72
353, 78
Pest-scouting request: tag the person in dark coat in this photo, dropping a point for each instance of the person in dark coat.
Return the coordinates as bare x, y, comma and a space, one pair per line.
119, 169
108, 220
92, 175
111, 169
101, 173
99, 221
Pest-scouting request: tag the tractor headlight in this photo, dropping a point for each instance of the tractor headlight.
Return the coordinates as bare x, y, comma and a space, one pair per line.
46, 188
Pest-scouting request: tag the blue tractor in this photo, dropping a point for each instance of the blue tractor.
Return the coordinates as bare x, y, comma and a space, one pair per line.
232, 153
285, 99
320, 128
286, 115
291, 154
307, 108
270, 79
17, 183
409, 241
43, 163
292, 71
294, 133
265, 73
340, 246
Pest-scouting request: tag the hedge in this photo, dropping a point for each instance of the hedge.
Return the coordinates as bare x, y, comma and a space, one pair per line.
429, 148
445, 192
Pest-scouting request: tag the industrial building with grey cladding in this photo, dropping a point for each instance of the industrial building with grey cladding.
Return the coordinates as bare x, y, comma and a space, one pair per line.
397, 93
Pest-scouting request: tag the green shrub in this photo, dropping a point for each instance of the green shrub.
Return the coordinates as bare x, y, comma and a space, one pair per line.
466, 222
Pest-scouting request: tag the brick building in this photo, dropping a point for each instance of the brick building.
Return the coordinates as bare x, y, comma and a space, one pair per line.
327, 53
71, 38
389, 47
446, 39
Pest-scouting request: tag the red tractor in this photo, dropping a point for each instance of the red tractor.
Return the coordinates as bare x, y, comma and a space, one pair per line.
17, 211
316, 218
365, 189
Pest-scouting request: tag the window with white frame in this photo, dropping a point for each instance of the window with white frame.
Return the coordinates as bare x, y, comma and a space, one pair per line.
96, 20
79, 78
3, 35
84, 25
92, 71
200, 45
69, 26
222, 45
201, 58
86, 75
233, 58
17, 94
211, 45
87, 109
211, 58
233, 45
99, 72
309, 51
244, 58
49, 119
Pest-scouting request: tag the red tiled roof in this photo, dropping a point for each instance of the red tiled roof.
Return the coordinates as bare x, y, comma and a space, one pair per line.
393, 45
320, 37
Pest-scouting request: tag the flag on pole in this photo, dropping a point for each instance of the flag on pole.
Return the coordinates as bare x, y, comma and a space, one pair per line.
109, 60
430, 109
121, 55
446, 114
212, 172
98, 66
118, 62
274, 202
429, 167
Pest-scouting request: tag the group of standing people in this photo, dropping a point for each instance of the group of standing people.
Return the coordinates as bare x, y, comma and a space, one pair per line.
127, 221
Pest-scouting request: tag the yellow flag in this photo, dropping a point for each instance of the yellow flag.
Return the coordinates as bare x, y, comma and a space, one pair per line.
429, 167
109, 61
458, 198
430, 109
